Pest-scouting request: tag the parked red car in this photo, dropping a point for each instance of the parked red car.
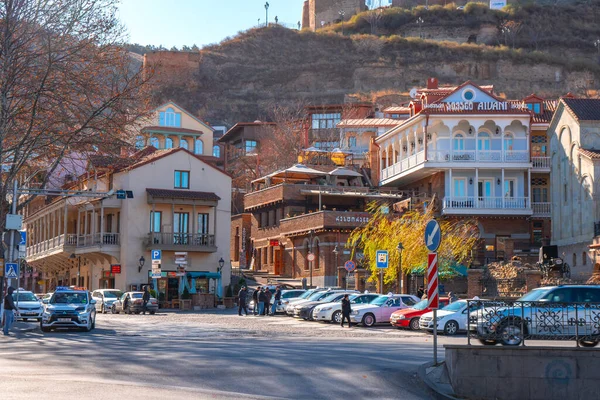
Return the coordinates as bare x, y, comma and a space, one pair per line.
409, 317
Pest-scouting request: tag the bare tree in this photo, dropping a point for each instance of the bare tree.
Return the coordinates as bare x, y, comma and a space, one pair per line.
537, 29
67, 86
374, 16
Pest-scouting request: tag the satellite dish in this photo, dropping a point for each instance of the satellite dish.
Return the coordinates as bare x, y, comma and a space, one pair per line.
413, 93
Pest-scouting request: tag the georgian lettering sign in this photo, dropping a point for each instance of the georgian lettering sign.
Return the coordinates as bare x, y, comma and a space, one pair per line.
476, 106
352, 219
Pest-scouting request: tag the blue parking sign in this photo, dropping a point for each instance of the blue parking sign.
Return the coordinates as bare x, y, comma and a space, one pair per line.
382, 258
23, 241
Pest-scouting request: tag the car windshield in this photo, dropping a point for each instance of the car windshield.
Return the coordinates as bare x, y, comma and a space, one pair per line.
113, 295
24, 297
137, 295
379, 301
316, 296
69, 298
306, 294
456, 306
331, 297
534, 295
420, 305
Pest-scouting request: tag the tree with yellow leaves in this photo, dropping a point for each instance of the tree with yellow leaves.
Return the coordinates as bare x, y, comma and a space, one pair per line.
385, 231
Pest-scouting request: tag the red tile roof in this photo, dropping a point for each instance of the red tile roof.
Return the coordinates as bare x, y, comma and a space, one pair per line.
368, 122
182, 194
590, 153
397, 110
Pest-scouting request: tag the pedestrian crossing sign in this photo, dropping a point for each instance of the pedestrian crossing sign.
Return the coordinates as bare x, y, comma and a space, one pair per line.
11, 270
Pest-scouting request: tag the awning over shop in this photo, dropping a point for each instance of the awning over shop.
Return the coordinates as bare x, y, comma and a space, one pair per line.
200, 274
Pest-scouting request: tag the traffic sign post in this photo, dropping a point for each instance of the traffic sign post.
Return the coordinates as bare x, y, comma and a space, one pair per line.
382, 263
433, 238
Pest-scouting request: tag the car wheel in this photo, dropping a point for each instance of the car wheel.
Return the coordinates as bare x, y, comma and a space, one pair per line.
588, 343
414, 324
25, 319
103, 310
511, 334
152, 312
337, 317
94, 322
488, 342
368, 320
451, 328
113, 310
88, 327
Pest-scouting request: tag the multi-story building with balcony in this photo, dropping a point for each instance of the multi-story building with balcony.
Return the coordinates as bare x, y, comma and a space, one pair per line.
175, 202
309, 209
473, 151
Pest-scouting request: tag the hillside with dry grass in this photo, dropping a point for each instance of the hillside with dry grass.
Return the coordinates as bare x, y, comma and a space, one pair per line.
242, 78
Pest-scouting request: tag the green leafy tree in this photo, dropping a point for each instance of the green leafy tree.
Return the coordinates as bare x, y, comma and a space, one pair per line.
386, 231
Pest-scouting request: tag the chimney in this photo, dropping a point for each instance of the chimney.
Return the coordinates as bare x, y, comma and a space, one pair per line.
432, 83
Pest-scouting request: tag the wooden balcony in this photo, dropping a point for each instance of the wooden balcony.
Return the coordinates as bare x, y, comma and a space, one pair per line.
181, 242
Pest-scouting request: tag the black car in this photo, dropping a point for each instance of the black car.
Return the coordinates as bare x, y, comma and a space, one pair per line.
305, 310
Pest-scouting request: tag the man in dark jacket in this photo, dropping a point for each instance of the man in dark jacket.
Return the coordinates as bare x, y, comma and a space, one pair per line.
255, 298
262, 298
268, 296
242, 301
276, 301
145, 299
346, 310
9, 310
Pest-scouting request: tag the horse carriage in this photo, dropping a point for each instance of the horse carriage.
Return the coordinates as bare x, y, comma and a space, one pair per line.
551, 264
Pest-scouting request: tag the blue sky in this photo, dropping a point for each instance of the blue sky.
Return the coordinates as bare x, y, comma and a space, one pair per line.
200, 22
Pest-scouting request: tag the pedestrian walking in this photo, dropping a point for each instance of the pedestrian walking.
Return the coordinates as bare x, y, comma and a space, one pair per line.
276, 301
145, 299
346, 310
242, 301
261, 302
268, 296
420, 292
452, 297
255, 298
9, 310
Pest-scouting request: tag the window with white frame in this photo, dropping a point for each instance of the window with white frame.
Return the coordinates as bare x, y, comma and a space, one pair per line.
251, 145
458, 142
154, 142
352, 141
183, 144
198, 146
169, 118
168, 143
483, 141
216, 151
326, 121
508, 142
509, 188
459, 187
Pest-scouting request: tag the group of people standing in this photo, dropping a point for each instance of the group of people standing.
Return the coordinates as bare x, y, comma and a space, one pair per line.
262, 300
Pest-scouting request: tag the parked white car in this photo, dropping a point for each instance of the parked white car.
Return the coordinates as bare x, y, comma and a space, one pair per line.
332, 312
380, 310
318, 294
105, 299
450, 319
30, 307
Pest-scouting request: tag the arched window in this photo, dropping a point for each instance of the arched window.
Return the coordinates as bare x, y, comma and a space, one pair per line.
508, 142
458, 142
168, 143
183, 143
139, 142
198, 147
169, 118
154, 142
583, 258
216, 151
574, 259
483, 141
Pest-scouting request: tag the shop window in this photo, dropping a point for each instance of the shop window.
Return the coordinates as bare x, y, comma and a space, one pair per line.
182, 179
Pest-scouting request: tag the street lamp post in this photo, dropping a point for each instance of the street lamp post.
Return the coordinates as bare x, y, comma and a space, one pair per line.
141, 263
420, 22
400, 285
310, 245
219, 269
267, 13
337, 267
506, 32
342, 13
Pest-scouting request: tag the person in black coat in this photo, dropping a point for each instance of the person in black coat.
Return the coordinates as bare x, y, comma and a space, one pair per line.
145, 299
262, 298
276, 301
268, 296
242, 301
255, 298
346, 310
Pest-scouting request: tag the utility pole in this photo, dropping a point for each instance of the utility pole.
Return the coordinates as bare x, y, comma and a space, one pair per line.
597, 44
420, 22
342, 13
267, 13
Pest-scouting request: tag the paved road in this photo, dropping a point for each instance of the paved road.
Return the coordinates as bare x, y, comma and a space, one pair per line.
215, 355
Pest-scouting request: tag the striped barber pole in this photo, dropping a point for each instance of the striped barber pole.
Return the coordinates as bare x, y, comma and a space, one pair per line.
432, 281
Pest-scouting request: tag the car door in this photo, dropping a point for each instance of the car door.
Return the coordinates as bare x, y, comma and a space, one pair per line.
550, 317
588, 311
389, 307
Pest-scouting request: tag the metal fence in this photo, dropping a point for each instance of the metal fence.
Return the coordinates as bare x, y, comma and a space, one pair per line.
514, 322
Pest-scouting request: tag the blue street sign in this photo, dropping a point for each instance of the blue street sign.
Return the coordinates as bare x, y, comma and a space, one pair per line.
11, 270
23, 241
349, 265
156, 255
382, 258
433, 235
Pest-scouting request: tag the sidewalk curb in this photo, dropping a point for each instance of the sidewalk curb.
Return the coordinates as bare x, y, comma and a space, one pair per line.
422, 372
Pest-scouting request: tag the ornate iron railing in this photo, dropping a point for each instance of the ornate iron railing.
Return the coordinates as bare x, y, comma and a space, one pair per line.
514, 322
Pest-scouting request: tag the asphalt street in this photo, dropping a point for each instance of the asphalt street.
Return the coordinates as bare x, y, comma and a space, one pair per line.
215, 355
